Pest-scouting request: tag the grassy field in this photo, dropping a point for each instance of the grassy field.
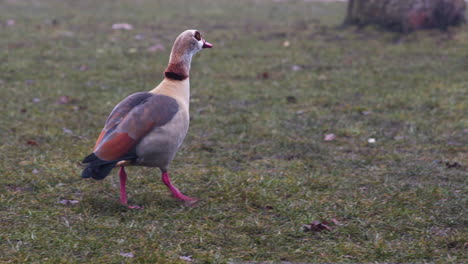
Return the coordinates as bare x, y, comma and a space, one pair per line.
282, 75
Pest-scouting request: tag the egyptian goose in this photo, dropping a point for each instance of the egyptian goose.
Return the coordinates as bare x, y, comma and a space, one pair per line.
147, 128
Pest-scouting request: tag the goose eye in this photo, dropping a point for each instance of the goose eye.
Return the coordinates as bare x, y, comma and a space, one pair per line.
197, 36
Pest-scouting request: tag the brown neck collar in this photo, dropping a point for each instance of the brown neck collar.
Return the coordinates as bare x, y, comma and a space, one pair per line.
179, 66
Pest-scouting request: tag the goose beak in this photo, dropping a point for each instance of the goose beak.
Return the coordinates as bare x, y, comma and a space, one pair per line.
206, 45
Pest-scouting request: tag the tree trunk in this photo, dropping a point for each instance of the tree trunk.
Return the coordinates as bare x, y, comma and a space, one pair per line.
406, 15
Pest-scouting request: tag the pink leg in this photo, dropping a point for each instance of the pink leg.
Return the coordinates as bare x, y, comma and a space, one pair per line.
123, 181
175, 192
123, 192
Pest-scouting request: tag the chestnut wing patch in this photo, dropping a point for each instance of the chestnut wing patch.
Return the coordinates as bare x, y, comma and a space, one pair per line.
131, 120
120, 111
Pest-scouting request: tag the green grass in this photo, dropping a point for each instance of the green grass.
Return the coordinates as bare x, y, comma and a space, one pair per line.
257, 160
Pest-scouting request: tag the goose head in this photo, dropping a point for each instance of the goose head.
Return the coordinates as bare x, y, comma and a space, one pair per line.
185, 46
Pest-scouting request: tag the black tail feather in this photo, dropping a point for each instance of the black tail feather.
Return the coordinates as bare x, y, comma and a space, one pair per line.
97, 168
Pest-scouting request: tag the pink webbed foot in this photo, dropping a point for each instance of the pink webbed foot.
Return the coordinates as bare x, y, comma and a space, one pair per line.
123, 192
190, 201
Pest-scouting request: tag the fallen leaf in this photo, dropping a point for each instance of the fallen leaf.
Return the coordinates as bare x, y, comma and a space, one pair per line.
208, 147
296, 68
124, 26
66, 130
451, 165
316, 226
127, 254
156, 47
291, 99
263, 75
68, 202
186, 258
132, 50
32, 142
329, 137
64, 99
363, 189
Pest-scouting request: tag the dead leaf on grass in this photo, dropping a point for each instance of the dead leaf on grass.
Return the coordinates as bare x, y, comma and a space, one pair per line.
124, 26
317, 226
64, 99
32, 142
127, 254
186, 258
66, 130
291, 99
329, 137
68, 202
296, 68
451, 165
263, 75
